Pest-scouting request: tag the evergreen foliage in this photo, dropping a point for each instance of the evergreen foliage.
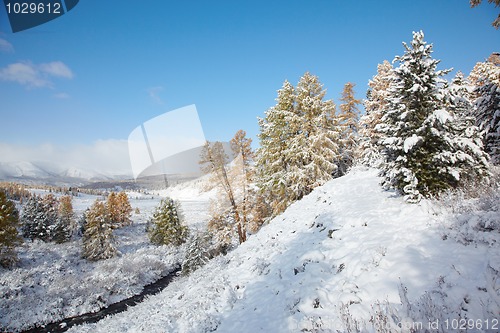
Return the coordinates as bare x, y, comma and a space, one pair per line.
300, 143
349, 122
198, 252
375, 103
39, 217
425, 151
98, 239
65, 223
9, 237
488, 119
167, 227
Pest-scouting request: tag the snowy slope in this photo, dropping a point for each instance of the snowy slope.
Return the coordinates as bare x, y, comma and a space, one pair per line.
348, 257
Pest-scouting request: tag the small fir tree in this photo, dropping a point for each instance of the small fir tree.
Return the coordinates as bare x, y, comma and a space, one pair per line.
98, 239
9, 237
65, 225
38, 217
124, 209
198, 252
166, 224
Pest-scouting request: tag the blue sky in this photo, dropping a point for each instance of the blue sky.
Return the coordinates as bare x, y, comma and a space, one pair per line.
105, 67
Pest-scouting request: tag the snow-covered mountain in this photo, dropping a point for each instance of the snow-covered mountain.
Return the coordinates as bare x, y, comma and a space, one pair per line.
49, 173
349, 257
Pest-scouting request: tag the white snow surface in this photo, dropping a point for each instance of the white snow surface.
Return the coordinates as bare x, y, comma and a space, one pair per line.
410, 142
385, 260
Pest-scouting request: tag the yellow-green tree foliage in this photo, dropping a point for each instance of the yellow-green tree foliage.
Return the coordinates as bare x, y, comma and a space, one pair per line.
9, 238
98, 239
166, 225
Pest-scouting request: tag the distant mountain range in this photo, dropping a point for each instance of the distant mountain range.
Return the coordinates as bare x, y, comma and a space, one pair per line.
34, 172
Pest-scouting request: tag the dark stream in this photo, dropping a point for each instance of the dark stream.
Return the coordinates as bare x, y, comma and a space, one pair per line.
65, 324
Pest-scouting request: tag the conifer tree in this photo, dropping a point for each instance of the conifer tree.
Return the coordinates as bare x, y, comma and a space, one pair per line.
299, 143
167, 224
112, 208
349, 122
124, 209
375, 103
421, 146
38, 217
274, 136
487, 115
65, 224
198, 252
98, 239
9, 238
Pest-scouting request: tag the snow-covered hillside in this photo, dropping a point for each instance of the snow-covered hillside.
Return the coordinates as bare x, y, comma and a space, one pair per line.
348, 257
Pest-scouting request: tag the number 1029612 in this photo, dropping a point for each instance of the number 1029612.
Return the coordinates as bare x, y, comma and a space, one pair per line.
33, 8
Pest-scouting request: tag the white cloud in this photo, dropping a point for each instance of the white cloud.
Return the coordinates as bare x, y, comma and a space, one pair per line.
61, 95
108, 157
56, 68
35, 76
5, 46
154, 94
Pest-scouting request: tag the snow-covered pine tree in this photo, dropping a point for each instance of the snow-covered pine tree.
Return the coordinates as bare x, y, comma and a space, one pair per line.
349, 122
65, 225
197, 253
314, 148
124, 209
112, 208
98, 239
274, 136
469, 158
485, 77
38, 217
375, 103
9, 237
167, 224
422, 156
299, 143
487, 115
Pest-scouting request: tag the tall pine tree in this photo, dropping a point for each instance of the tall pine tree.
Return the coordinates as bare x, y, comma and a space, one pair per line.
421, 146
166, 224
299, 143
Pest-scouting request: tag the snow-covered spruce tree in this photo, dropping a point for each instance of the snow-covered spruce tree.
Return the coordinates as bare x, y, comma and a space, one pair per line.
349, 122
198, 252
299, 143
274, 136
167, 224
39, 217
376, 101
9, 237
98, 239
469, 160
65, 225
486, 77
421, 147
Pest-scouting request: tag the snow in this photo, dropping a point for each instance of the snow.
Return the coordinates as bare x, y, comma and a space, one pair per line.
349, 254
411, 142
54, 282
